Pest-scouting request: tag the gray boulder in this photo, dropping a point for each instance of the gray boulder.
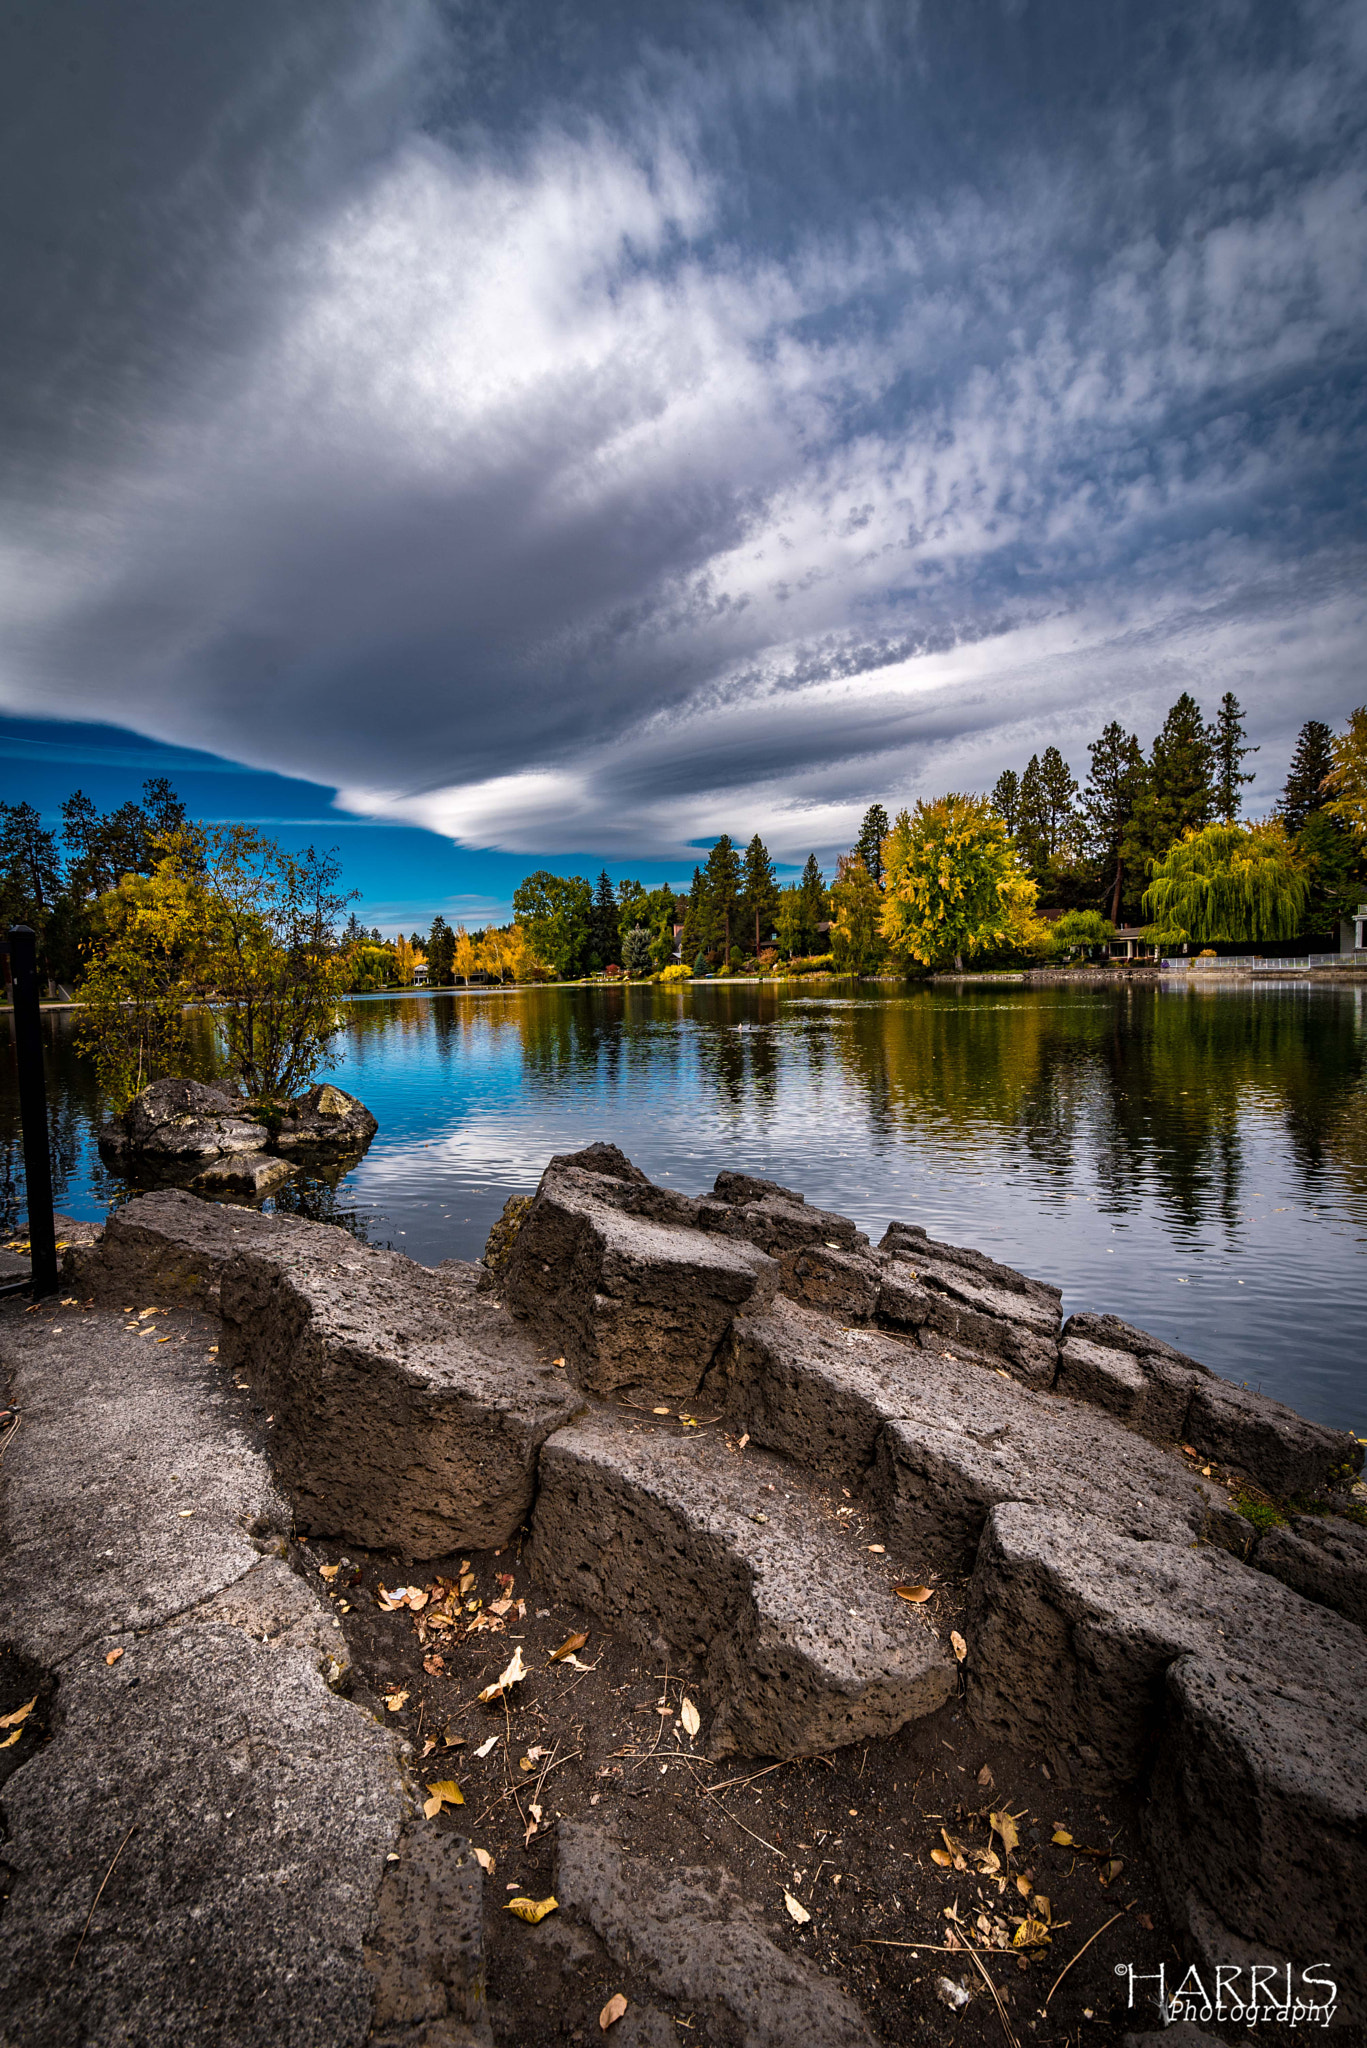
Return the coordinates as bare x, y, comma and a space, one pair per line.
1323, 1557
169, 1247
794, 1631
178, 1124
406, 1407
978, 1308
325, 1120
1170, 1397
695, 1939
938, 1443
608, 1271
248, 1176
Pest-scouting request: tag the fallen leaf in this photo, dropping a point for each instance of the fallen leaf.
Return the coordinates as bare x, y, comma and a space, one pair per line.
512, 1674
395, 1700
1031, 1933
942, 1857
525, 1763
485, 1747
446, 1792
743, 1441
796, 1910
533, 1911
570, 1644
429, 1745
1024, 1886
1063, 1838
878, 1549
1043, 1910
1112, 1870
434, 1665
11, 1738
467, 1582
916, 1593
985, 1776
612, 2011
19, 1714
484, 1860
328, 1572
988, 1861
113, 1657
1004, 1824
659, 1411
572, 1663
958, 1645
501, 1607
691, 1718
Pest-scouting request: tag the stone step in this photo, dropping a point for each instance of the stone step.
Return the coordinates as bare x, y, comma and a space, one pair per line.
938, 1443
740, 1564
1239, 1708
405, 1406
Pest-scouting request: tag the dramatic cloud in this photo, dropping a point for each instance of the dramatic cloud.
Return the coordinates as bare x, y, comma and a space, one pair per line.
603, 441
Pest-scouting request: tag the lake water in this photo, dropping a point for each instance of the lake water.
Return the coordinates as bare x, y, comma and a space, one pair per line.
1194, 1160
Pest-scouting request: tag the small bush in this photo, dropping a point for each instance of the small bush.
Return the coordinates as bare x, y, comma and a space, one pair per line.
676, 972
1264, 1514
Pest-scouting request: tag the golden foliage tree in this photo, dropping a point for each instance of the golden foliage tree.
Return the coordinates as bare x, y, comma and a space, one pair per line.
954, 885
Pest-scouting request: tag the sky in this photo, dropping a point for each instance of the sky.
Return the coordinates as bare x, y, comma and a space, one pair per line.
485, 436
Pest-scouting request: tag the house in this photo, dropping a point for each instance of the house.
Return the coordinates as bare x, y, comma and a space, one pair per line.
1353, 932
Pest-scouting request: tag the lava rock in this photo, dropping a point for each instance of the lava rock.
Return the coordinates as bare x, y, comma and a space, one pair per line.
1323, 1557
325, 1120
178, 1124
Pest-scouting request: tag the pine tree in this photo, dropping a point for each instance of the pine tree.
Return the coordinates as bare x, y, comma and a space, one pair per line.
1179, 790
605, 941
1032, 822
1304, 792
1059, 794
723, 878
815, 907
1006, 799
869, 845
1227, 737
1114, 783
694, 937
441, 954
759, 895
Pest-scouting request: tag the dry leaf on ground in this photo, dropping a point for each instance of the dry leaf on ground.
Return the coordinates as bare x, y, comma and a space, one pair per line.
1063, 1838
958, 1645
445, 1792
484, 1860
11, 1738
796, 1910
512, 1674
533, 1911
19, 1714
569, 1646
395, 1700
113, 1657
916, 1593
485, 1747
691, 1718
328, 1572
612, 2011
1004, 1824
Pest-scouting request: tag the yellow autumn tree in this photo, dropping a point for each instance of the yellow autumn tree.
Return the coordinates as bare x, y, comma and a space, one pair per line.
954, 885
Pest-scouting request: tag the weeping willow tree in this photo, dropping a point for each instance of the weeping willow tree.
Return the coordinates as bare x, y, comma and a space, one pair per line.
1228, 882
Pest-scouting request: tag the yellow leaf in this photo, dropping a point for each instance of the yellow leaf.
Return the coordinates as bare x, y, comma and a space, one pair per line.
942, 1857
916, 1593
1031, 1933
957, 1643
987, 1861
1004, 1824
1112, 1871
11, 1738
796, 1910
1043, 1910
513, 1674
328, 1572
612, 2011
484, 1860
691, 1719
19, 1714
533, 1911
431, 1807
448, 1791
113, 1657
570, 1644
1024, 1887
659, 1411
395, 1700
1063, 1838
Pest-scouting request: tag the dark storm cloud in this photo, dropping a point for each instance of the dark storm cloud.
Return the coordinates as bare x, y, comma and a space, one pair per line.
562, 434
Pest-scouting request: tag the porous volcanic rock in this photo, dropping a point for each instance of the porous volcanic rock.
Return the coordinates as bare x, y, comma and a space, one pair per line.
694, 1938
1322, 1556
745, 1571
977, 1307
1242, 1704
938, 1443
169, 1246
407, 1408
1168, 1396
324, 1120
606, 1269
251, 1175
177, 1124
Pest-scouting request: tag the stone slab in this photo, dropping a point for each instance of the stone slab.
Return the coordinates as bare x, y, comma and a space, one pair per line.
1322, 1557
695, 1939
250, 1175
743, 1569
170, 1246
406, 1407
425, 1948
939, 1443
626, 1299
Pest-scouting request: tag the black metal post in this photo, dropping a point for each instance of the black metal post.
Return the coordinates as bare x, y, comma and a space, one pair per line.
28, 1052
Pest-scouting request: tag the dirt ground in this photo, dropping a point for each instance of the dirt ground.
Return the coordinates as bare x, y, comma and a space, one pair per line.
602, 1735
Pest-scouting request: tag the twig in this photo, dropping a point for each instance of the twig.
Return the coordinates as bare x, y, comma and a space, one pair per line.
1083, 1950
753, 1836
727, 1783
938, 1948
1001, 2009
10, 1435
100, 1894
508, 1788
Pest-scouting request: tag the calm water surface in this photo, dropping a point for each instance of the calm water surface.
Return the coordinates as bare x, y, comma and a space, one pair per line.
1195, 1161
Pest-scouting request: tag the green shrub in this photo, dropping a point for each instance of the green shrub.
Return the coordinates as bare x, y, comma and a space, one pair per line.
1263, 1514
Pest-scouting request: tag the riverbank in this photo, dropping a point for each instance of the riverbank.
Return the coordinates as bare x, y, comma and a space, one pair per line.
683, 1442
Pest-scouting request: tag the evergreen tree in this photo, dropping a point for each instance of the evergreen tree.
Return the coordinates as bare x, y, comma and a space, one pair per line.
1006, 799
815, 905
723, 895
759, 895
1178, 795
1334, 867
1114, 783
869, 845
1058, 798
696, 924
636, 958
605, 941
1229, 752
1032, 821
1304, 792
441, 954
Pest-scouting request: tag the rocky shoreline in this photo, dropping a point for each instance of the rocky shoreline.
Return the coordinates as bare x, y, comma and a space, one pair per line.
725, 1429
